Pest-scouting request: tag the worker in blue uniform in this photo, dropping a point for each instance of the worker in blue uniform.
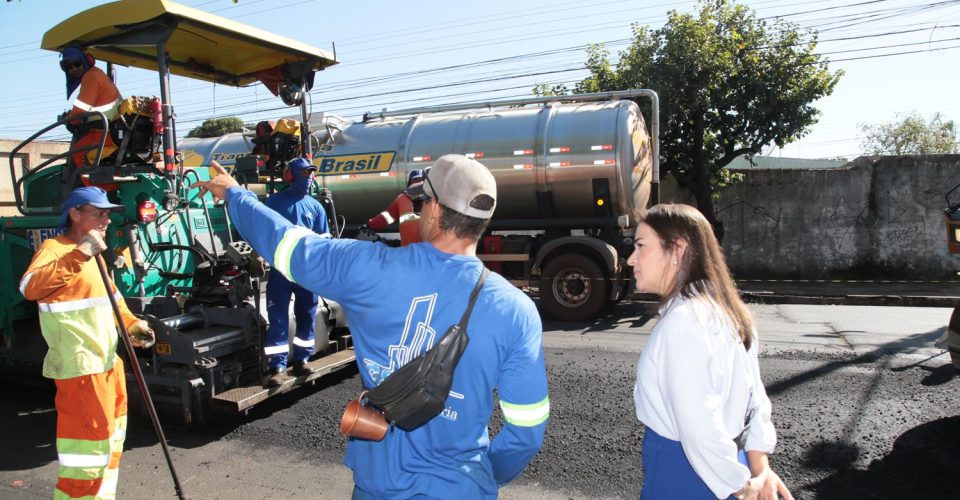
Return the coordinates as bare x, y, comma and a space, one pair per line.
295, 205
399, 302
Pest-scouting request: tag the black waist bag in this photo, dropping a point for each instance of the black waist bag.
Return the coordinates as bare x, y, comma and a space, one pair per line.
416, 392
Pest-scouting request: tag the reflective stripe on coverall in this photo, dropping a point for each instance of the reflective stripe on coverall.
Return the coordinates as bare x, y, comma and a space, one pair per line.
78, 324
97, 93
305, 302
402, 208
91, 427
409, 221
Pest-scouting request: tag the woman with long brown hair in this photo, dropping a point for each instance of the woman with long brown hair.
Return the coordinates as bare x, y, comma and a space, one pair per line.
698, 390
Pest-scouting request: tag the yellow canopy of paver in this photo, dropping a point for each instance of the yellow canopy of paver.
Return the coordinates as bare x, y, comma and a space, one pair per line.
200, 45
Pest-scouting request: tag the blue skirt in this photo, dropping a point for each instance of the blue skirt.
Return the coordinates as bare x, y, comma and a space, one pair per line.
667, 474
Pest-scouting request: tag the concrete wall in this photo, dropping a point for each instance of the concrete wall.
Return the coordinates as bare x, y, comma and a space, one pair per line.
29, 157
876, 217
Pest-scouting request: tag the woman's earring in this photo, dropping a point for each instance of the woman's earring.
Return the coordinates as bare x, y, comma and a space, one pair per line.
676, 262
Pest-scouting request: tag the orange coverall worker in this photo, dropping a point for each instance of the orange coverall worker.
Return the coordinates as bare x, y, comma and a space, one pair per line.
401, 208
97, 93
78, 324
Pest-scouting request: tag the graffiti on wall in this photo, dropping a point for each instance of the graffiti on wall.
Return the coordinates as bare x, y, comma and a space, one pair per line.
742, 217
859, 219
843, 218
749, 225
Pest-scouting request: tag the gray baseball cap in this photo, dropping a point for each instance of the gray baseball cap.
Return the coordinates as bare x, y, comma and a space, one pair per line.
455, 181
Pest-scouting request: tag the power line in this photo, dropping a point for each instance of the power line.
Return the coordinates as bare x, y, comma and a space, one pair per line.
792, 14
416, 73
880, 14
448, 85
889, 46
580, 69
454, 71
366, 82
893, 54
473, 21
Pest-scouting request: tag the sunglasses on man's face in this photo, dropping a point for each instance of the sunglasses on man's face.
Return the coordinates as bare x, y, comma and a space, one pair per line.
417, 190
68, 65
436, 196
98, 213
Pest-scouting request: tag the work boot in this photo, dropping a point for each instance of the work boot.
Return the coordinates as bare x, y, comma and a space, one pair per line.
274, 378
301, 368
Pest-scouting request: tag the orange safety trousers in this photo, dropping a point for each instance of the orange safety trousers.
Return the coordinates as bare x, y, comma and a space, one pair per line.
86, 158
92, 138
91, 427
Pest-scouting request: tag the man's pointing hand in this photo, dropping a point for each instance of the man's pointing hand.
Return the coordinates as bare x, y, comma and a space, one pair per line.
218, 185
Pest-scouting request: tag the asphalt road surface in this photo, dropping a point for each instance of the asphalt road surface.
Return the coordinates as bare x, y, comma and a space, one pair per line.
865, 406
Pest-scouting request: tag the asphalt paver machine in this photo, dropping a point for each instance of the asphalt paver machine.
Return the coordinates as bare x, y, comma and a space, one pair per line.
173, 253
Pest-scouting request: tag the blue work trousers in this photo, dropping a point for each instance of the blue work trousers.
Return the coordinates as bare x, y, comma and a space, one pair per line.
667, 474
276, 346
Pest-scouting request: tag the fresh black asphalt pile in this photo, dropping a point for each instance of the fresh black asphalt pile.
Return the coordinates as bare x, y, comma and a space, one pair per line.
850, 426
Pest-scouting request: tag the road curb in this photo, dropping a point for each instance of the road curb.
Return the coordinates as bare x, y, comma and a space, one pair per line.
852, 299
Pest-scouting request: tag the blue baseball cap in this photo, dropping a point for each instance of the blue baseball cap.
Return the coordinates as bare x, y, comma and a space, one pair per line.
90, 195
71, 53
298, 165
415, 176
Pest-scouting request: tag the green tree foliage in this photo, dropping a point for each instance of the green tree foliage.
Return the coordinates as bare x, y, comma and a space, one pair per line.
547, 90
729, 84
215, 127
911, 135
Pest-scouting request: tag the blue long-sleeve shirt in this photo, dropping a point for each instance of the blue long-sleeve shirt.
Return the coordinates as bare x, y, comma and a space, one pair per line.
300, 210
399, 302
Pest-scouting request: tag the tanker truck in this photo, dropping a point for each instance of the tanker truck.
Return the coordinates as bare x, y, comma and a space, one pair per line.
570, 171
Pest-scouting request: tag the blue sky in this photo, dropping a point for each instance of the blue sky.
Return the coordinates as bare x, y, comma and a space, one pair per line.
391, 54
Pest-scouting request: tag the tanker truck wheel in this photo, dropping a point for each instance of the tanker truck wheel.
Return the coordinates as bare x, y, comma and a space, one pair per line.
573, 287
953, 337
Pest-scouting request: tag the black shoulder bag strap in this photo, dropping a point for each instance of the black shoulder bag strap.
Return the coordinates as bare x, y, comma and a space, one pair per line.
416, 391
473, 300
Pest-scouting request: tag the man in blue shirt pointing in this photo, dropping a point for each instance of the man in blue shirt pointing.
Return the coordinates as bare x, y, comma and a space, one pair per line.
399, 302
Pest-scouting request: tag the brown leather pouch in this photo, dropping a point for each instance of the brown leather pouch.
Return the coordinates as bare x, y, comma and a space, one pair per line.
361, 421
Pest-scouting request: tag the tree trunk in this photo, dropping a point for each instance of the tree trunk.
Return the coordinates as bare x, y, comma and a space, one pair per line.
701, 192
700, 180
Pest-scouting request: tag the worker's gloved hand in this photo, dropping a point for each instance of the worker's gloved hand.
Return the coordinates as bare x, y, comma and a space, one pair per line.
258, 267
367, 234
141, 335
73, 126
91, 243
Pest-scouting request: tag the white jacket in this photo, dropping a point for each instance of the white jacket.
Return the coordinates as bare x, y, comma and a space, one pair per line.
694, 385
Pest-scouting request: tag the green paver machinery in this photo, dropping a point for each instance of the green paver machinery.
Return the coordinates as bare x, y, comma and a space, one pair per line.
173, 253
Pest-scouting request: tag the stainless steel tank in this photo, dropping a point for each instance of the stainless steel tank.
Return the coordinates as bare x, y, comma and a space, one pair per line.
555, 149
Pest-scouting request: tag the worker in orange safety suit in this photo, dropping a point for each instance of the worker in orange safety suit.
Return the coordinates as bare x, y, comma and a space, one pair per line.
406, 208
79, 327
97, 93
